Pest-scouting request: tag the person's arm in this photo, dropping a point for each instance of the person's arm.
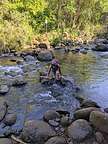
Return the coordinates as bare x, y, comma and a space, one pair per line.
49, 70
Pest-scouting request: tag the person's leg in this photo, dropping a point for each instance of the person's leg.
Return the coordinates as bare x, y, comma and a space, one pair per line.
58, 76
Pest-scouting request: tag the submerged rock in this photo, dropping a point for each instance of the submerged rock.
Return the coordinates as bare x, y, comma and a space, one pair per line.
13, 73
30, 66
37, 132
79, 130
19, 81
4, 89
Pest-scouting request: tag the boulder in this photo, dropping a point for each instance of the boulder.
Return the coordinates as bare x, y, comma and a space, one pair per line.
4, 89
79, 130
89, 103
99, 120
51, 115
101, 47
19, 81
56, 140
45, 55
10, 119
84, 113
29, 58
37, 132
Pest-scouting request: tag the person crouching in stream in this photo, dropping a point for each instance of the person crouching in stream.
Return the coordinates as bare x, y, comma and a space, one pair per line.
55, 70
54, 73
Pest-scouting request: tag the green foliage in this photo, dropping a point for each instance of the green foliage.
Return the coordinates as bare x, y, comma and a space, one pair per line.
21, 19
15, 30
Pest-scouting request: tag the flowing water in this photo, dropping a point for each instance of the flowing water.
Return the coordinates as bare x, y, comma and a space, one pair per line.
90, 72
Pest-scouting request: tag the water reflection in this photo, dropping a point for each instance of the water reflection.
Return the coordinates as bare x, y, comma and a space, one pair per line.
90, 72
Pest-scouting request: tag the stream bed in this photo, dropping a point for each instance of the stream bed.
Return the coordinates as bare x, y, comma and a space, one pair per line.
89, 71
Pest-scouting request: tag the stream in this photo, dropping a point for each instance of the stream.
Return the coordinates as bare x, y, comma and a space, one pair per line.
89, 71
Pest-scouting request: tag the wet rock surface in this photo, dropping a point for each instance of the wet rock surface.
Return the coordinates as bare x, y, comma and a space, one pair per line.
35, 99
37, 132
51, 115
99, 120
4, 89
79, 130
84, 113
89, 103
19, 81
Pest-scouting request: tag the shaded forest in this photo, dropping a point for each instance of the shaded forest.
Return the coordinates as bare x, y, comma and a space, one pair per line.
22, 20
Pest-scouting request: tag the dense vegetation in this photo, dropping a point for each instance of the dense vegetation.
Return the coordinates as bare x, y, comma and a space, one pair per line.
21, 20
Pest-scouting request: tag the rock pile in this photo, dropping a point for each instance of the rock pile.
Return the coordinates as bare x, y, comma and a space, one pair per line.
89, 125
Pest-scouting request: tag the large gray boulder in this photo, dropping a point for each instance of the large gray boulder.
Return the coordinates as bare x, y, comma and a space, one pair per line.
37, 132
99, 120
56, 140
79, 130
45, 55
4, 89
84, 113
